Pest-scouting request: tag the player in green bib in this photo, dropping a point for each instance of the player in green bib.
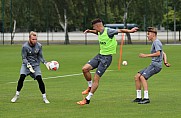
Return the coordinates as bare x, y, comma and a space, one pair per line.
107, 45
103, 59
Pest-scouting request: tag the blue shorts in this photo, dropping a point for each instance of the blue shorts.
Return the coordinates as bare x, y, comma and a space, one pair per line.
24, 70
149, 71
101, 62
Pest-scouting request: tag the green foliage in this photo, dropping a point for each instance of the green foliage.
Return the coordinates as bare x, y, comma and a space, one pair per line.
173, 15
111, 100
41, 15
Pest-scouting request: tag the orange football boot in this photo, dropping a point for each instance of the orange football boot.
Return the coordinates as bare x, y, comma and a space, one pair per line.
86, 91
83, 102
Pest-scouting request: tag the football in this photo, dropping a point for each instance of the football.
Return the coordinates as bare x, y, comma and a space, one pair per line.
125, 63
54, 65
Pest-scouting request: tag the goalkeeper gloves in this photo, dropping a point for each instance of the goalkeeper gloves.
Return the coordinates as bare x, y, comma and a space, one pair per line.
47, 65
30, 68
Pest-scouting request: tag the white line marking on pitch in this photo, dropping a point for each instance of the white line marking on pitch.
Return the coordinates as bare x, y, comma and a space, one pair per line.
70, 75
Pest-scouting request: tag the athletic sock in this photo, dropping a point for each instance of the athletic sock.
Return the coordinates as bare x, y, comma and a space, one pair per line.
17, 92
44, 95
89, 96
89, 83
138, 93
146, 94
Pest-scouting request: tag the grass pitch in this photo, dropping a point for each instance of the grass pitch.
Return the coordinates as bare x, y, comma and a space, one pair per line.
111, 100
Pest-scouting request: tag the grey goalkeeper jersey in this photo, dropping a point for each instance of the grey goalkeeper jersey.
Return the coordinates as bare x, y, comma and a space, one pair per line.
32, 54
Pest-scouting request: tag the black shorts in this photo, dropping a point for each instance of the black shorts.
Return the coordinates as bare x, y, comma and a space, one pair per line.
101, 62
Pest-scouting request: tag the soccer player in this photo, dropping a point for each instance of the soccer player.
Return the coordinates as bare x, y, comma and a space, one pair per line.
31, 57
103, 59
155, 67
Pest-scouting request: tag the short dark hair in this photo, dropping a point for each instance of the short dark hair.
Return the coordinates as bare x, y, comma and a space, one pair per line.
97, 20
152, 29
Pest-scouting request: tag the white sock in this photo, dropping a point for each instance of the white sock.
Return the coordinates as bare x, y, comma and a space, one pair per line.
44, 95
89, 96
17, 92
146, 94
89, 83
138, 93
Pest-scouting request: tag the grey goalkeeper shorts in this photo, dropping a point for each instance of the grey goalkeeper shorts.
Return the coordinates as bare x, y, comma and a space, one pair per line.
24, 70
101, 62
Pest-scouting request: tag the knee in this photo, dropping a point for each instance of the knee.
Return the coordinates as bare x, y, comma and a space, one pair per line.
85, 69
22, 77
142, 77
137, 77
39, 79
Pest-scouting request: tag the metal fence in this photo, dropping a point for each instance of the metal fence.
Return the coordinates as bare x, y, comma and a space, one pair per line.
81, 38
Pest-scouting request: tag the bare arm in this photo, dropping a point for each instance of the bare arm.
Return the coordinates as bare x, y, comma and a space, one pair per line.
127, 30
141, 55
165, 60
91, 31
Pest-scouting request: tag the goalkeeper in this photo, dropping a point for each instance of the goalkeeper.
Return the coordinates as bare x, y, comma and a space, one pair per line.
31, 57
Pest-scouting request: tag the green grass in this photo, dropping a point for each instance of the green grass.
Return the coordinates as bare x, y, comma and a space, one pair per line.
111, 100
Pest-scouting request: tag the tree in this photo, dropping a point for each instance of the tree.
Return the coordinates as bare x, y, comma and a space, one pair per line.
49, 15
168, 18
63, 25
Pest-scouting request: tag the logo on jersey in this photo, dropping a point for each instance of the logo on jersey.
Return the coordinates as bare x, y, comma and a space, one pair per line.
102, 43
36, 50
